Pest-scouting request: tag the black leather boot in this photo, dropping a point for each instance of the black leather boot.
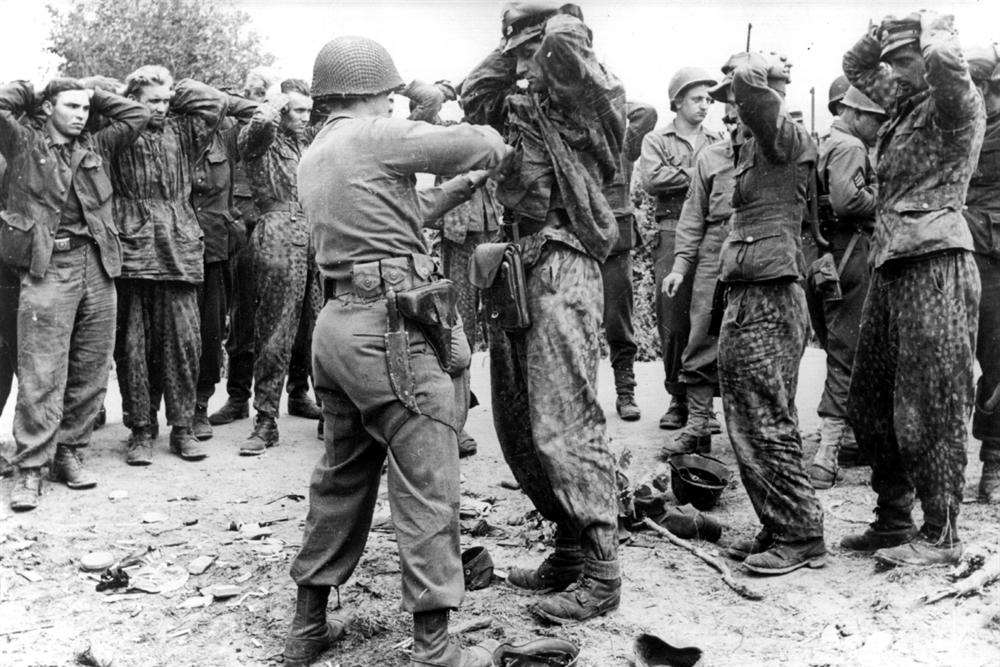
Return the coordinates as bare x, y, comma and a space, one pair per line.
432, 645
312, 633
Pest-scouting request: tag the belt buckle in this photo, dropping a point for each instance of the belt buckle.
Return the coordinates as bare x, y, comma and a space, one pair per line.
63, 245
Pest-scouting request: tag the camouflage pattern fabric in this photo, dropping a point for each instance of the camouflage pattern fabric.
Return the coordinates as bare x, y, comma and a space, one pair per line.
911, 390
455, 266
555, 443
763, 336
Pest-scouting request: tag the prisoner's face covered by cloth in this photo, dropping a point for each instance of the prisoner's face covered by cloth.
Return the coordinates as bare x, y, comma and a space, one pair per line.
561, 60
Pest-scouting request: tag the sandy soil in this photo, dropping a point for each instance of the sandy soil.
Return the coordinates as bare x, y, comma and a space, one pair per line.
845, 614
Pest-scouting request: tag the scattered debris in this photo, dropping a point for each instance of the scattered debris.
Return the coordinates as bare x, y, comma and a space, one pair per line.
96, 561
196, 603
189, 522
976, 578
118, 494
33, 577
159, 578
113, 579
651, 651
471, 625
153, 517
200, 564
95, 656
288, 496
510, 484
187, 498
221, 591
472, 509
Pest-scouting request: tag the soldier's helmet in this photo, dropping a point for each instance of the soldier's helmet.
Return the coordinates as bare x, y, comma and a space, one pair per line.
685, 78
837, 90
855, 99
984, 63
354, 67
522, 22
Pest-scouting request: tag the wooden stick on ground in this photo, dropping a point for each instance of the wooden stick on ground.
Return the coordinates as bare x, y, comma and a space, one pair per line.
468, 626
974, 583
714, 561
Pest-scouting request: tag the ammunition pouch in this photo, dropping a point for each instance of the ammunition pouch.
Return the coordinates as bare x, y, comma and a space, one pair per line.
498, 272
434, 309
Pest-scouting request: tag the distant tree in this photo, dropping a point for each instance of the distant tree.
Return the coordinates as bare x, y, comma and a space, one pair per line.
202, 39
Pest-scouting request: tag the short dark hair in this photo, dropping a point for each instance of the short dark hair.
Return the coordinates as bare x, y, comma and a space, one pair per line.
295, 86
60, 85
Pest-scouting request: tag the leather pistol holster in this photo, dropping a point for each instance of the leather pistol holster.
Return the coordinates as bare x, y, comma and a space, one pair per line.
434, 308
497, 270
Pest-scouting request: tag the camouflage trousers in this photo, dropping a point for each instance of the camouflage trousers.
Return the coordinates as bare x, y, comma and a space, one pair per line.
985, 422
548, 420
157, 350
763, 336
911, 389
288, 298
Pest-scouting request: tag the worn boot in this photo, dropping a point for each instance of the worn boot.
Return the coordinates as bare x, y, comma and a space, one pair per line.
676, 415
592, 597
433, 646
230, 412
201, 427
558, 571
467, 445
312, 633
140, 447
824, 468
301, 405
739, 550
989, 483
697, 434
264, 435
67, 467
891, 528
785, 557
850, 455
27, 489
627, 408
930, 546
185, 445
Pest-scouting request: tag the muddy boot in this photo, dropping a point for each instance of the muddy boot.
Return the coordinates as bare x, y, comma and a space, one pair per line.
824, 468
139, 451
676, 415
230, 412
301, 405
467, 445
264, 435
27, 489
184, 444
697, 435
559, 570
201, 427
891, 528
785, 557
930, 546
592, 597
433, 646
740, 550
627, 409
67, 467
312, 633
989, 481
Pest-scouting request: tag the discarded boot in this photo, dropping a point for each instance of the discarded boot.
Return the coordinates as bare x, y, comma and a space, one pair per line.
889, 529
264, 435
690, 524
303, 406
230, 412
312, 632
477, 567
739, 550
467, 445
558, 571
542, 652
185, 445
922, 551
67, 467
989, 483
676, 415
592, 597
27, 489
627, 409
201, 427
651, 651
139, 450
785, 557
433, 646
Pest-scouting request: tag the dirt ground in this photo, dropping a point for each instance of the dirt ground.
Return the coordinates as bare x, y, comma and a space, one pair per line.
845, 614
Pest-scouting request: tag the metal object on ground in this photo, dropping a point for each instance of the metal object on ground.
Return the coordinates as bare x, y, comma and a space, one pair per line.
698, 479
652, 651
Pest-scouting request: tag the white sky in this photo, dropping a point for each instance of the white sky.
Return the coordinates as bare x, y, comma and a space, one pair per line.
642, 41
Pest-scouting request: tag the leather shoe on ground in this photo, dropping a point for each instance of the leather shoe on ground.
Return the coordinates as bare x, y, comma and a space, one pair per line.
676, 415
303, 649
989, 483
67, 467
264, 435
200, 426
784, 557
140, 448
878, 537
185, 445
688, 443
542, 652
591, 598
477, 568
921, 552
739, 550
467, 445
27, 489
557, 572
304, 407
230, 412
627, 409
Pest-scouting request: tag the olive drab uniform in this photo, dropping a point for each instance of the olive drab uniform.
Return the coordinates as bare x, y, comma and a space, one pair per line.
765, 324
550, 425
912, 388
